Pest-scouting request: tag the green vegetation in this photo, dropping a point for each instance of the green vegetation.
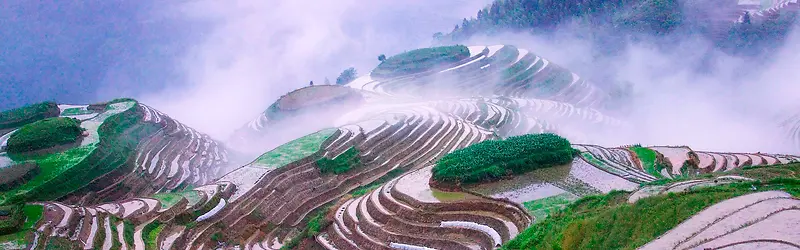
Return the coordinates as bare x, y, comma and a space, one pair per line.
44, 134
114, 222
18, 240
649, 162
33, 213
542, 208
362, 190
11, 218
118, 133
340, 164
127, 232
294, 150
76, 111
150, 234
420, 60
609, 222
313, 227
168, 199
491, 160
347, 76
31, 113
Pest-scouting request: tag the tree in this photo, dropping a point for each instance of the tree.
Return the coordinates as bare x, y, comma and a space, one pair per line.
327, 82
381, 57
347, 76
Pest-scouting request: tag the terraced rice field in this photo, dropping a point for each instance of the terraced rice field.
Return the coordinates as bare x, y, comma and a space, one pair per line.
174, 190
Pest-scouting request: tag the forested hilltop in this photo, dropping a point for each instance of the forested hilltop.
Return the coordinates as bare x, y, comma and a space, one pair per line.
736, 26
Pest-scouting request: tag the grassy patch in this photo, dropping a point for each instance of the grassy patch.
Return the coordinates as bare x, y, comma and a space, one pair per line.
609, 222
33, 213
20, 116
341, 163
648, 158
313, 227
44, 134
150, 234
491, 160
168, 199
362, 190
18, 240
420, 60
127, 232
76, 111
294, 150
542, 208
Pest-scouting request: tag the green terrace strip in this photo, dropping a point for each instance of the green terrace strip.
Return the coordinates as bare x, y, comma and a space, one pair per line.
648, 158
76, 111
610, 222
150, 234
762, 173
44, 134
542, 208
491, 160
113, 137
294, 150
341, 163
33, 213
31, 113
168, 199
420, 60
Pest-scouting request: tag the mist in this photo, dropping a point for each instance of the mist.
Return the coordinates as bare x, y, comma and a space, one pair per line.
255, 51
688, 94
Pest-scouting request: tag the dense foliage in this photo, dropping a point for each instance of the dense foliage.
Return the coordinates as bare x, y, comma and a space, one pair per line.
491, 160
420, 60
611, 24
347, 76
11, 218
652, 16
31, 113
45, 134
340, 164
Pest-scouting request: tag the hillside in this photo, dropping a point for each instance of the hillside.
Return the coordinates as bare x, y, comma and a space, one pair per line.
739, 27
462, 147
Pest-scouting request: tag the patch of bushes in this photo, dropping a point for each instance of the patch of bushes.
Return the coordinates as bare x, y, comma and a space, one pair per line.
20, 116
11, 218
44, 134
609, 222
339, 164
347, 76
491, 160
420, 60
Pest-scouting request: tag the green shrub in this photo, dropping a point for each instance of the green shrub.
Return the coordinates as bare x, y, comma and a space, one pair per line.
347, 76
31, 113
340, 164
491, 160
11, 218
45, 134
420, 60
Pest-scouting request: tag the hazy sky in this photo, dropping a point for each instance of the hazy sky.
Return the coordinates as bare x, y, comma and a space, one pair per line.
86, 51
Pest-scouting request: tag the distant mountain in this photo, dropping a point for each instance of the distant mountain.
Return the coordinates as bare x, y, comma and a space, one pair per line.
742, 27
